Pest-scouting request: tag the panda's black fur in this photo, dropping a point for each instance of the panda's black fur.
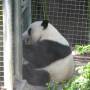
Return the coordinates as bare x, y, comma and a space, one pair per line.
41, 54
46, 52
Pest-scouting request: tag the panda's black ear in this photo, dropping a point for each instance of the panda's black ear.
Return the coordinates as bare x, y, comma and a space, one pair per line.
45, 23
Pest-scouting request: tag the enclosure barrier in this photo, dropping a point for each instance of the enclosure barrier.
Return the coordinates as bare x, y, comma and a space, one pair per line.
1, 45
8, 44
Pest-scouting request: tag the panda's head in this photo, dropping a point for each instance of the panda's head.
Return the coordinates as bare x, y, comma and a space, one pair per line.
35, 31
43, 30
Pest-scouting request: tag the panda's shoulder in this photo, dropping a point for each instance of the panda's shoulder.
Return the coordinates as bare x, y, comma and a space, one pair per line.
46, 52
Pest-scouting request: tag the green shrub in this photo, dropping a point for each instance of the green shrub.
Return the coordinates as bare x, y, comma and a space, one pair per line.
53, 87
82, 49
81, 81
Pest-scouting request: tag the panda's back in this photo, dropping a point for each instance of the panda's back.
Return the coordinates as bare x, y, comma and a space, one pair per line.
53, 34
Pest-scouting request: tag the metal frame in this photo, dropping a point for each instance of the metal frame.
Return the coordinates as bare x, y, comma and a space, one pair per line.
8, 44
12, 31
17, 38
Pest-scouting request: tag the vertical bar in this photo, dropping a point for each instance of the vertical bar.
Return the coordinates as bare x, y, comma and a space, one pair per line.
1, 46
7, 36
26, 14
88, 12
30, 14
18, 41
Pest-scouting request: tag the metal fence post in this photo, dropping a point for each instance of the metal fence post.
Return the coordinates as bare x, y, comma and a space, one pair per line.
8, 51
17, 38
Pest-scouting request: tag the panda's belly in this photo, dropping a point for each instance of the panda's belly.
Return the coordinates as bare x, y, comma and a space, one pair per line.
61, 69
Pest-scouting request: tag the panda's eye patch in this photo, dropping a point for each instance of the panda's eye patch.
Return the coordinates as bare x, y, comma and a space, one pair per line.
29, 31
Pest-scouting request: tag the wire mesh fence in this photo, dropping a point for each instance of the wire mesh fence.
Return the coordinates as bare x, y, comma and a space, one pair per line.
70, 17
1, 47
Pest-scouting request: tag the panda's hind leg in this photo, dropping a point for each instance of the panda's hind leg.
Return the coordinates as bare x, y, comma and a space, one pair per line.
35, 77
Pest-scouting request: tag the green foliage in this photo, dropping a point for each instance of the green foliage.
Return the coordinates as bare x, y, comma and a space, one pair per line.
82, 49
54, 87
81, 81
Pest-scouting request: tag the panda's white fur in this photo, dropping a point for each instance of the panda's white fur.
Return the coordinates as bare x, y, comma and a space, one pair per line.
61, 69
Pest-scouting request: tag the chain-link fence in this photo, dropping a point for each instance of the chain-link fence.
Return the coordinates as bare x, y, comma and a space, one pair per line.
70, 17
1, 46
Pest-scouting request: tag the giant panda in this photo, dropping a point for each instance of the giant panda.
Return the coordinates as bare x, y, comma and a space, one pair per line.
49, 55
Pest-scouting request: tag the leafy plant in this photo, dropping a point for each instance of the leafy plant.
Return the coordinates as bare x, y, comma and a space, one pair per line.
52, 87
81, 81
82, 49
